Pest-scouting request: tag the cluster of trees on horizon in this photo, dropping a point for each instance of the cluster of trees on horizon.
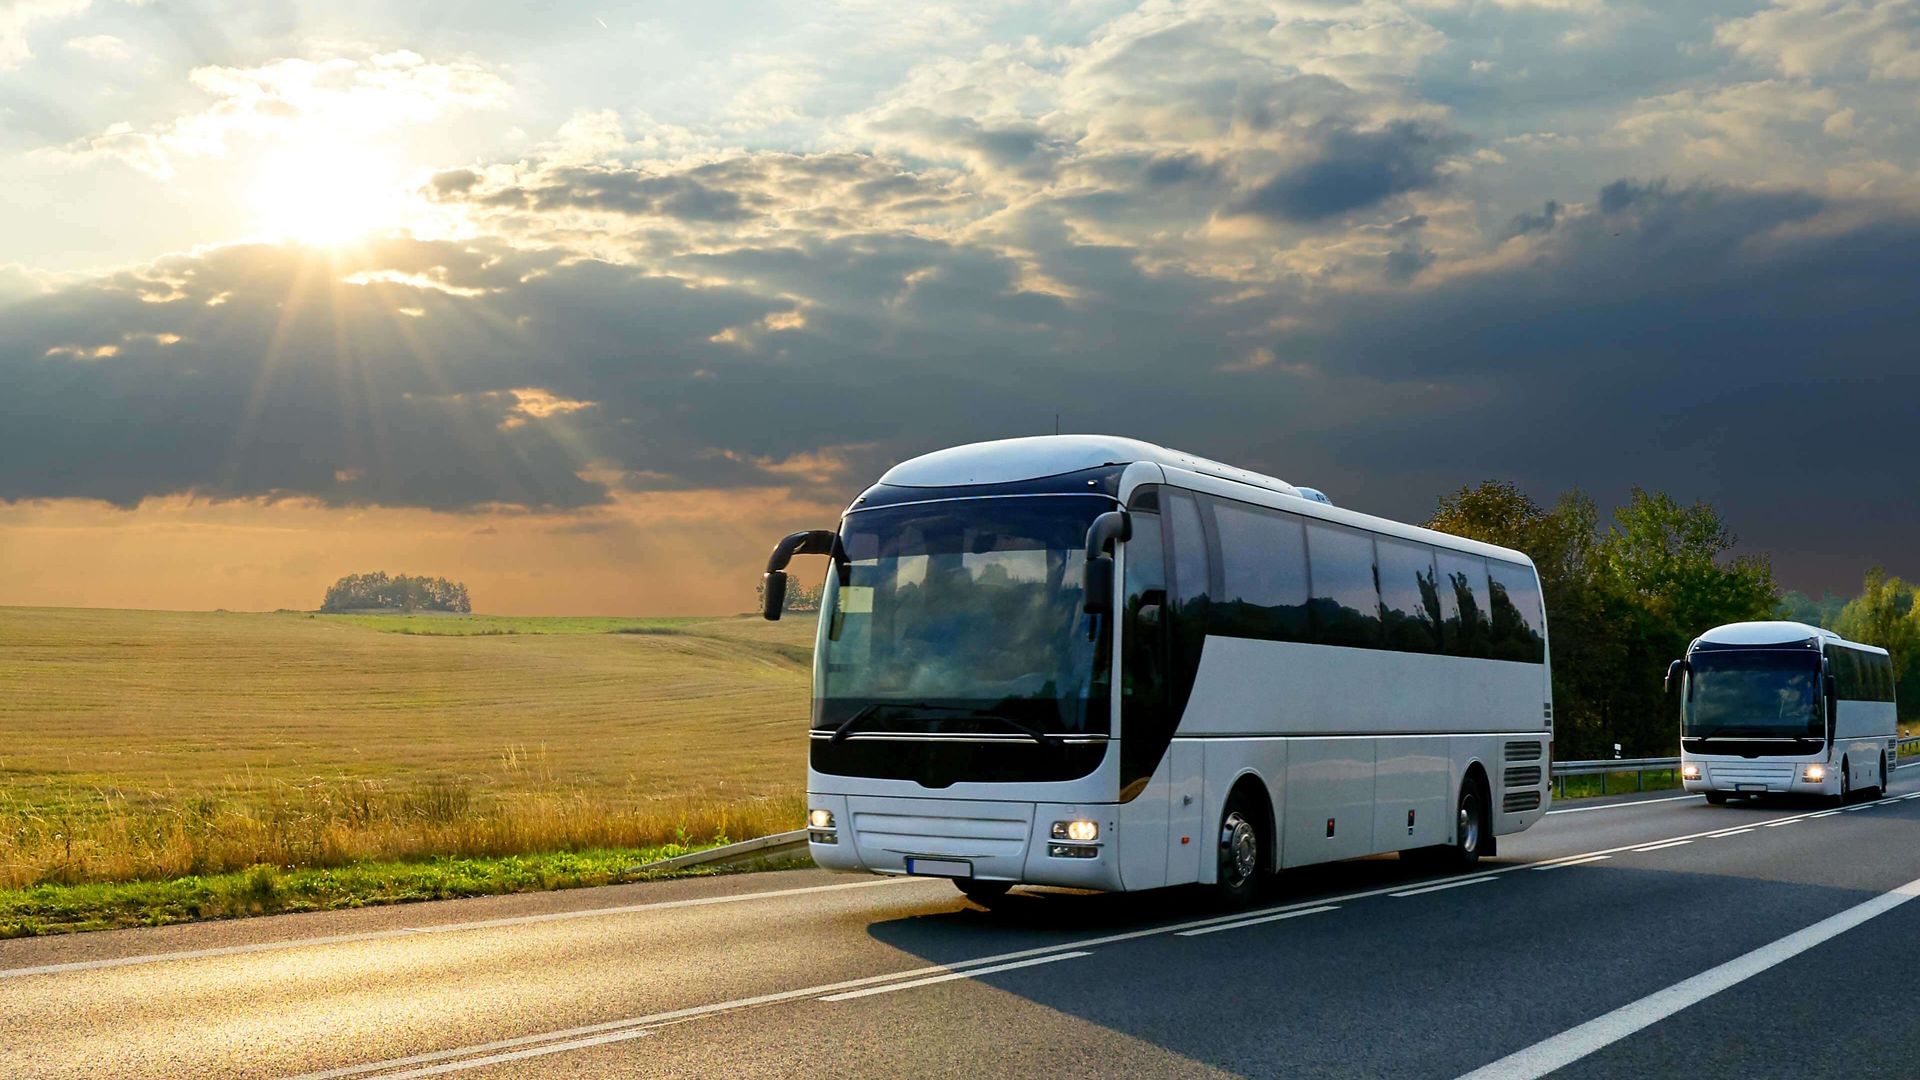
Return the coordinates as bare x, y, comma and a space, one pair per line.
380, 591
800, 598
1625, 599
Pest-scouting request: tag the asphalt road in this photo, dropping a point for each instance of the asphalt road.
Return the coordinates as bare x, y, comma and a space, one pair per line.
1773, 941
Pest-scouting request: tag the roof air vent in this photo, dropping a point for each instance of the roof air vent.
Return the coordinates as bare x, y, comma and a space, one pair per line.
1315, 494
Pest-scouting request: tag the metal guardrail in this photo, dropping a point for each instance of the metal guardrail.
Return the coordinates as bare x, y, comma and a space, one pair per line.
1640, 767
1605, 767
758, 848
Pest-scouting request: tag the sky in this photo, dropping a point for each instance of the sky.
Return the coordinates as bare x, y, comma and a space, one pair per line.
586, 305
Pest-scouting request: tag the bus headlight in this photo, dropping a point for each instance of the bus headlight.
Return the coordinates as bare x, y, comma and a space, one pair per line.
1689, 771
1814, 773
1080, 829
820, 828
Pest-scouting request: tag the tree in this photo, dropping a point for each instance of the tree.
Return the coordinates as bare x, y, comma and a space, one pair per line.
799, 597
379, 591
1884, 614
1621, 605
1669, 557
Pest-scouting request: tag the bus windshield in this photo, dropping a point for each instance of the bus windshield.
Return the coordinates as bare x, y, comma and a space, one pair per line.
963, 616
1765, 694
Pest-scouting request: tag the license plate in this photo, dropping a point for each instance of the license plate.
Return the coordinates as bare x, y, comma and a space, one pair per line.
940, 867
1749, 787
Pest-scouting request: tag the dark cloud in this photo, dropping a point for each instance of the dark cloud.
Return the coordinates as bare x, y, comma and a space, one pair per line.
1351, 168
1522, 224
1754, 347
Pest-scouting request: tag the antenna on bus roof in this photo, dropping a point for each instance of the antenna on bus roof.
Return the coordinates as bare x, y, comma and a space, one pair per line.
1056, 423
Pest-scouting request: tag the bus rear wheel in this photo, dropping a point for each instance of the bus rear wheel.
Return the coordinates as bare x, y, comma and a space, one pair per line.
1470, 824
1242, 851
1880, 790
984, 893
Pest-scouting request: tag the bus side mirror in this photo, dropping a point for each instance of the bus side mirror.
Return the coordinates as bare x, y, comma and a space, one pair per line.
810, 542
1097, 582
774, 596
1674, 671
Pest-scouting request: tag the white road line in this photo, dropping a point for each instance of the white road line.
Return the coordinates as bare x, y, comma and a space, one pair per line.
1736, 832
446, 928
1824, 813
1443, 885
1258, 921
1777, 824
1575, 1043
1623, 805
1665, 846
521, 1055
1571, 862
950, 976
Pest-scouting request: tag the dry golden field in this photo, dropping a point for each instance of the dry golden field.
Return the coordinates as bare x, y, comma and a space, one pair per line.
144, 744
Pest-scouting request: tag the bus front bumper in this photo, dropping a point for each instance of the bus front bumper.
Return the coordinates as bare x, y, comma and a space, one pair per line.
964, 838
1742, 777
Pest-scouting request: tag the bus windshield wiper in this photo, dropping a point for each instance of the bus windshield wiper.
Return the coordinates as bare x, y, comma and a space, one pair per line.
960, 711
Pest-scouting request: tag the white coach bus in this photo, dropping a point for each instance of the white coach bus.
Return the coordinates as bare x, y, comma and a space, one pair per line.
1784, 708
1093, 662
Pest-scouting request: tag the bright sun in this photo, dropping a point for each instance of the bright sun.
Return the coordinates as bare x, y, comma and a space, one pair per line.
326, 193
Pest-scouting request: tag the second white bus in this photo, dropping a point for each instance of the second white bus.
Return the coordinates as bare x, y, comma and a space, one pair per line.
1092, 662
1785, 708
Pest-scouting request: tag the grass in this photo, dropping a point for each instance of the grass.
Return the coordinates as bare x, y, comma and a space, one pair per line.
1587, 787
152, 746
266, 890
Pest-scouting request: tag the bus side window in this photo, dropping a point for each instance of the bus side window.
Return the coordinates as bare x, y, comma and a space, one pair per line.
1463, 603
1346, 600
1409, 596
1513, 597
1263, 574
1145, 722
1191, 597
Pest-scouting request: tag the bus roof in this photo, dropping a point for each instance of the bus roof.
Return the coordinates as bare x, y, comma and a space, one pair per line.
1007, 461
1776, 632
1011, 461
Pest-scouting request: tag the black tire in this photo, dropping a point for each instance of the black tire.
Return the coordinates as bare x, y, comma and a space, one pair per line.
1880, 790
1716, 798
1846, 785
1473, 825
984, 893
1243, 853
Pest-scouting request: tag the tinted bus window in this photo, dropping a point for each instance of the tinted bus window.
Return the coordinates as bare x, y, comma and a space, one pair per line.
1187, 614
1514, 612
1346, 604
1146, 723
1409, 596
1463, 603
1845, 671
1263, 573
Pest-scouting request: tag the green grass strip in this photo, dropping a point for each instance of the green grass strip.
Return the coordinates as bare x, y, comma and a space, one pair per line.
264, 890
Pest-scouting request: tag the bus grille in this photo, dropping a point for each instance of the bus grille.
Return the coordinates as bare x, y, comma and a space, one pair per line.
1523, 776
1516, 801
1523, 751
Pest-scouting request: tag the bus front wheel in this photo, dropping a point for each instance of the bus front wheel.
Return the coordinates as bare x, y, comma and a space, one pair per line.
1846, 784
1715, 798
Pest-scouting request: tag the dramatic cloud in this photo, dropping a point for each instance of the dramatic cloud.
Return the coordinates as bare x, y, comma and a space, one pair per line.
1383, 248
